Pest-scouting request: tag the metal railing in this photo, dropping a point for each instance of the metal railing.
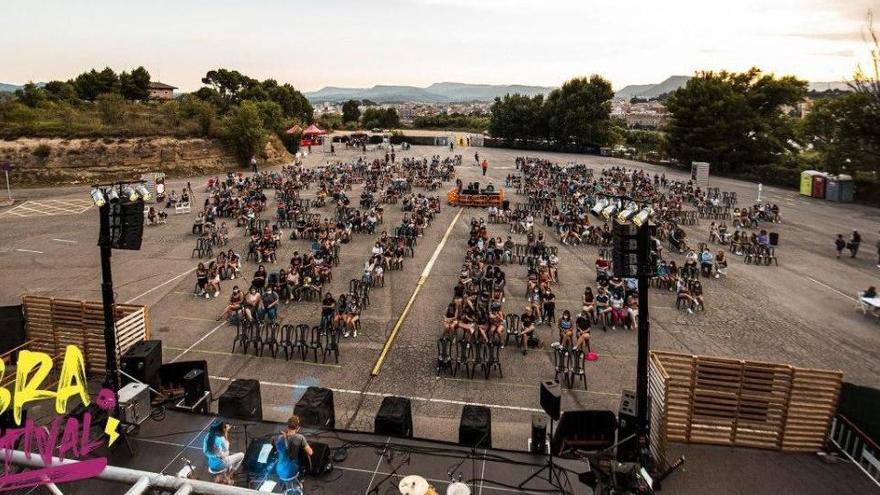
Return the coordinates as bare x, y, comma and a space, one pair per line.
857, 446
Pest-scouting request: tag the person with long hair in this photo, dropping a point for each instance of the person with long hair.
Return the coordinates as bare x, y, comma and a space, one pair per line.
290, 444
221, 463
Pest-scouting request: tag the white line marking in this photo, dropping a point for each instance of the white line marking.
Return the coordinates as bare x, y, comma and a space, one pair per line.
430, 265
378, 394
831, 288
135, 298
198, 341
188, 445
30, 251
65, 240
378, 463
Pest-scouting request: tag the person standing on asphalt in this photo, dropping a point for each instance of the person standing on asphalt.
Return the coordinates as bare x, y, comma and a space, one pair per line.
839, 244
254, 164
476, 157
485, 165
854, 241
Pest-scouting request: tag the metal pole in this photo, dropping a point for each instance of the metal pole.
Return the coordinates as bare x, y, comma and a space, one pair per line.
644, 344
8, 190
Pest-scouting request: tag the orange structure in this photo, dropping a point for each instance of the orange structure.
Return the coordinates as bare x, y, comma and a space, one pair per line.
482, 200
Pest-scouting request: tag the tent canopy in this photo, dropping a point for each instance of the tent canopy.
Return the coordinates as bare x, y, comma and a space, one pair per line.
294, 130
313, 130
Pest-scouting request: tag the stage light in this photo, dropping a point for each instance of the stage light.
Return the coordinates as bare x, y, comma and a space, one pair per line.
112, 195
98, 197
626, 214
599, 206
130, 192
145, 194
642, 216
609, 211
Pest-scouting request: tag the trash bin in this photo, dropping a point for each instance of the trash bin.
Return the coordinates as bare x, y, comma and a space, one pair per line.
832, 188
819, 181
774, 238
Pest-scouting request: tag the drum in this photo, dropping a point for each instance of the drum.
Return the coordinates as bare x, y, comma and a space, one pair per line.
458, 488
414, 485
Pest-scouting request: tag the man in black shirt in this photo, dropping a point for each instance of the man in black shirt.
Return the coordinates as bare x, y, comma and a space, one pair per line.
328, 307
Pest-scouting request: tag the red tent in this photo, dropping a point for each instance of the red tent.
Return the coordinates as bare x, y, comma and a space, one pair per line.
313, 130
294, 130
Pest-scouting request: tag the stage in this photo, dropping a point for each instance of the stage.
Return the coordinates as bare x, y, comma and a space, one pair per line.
370, 460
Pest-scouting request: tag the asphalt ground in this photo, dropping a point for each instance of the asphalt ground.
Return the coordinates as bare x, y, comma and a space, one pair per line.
801, 312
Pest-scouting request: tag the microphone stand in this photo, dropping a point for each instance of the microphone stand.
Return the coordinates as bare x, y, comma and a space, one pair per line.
375, 489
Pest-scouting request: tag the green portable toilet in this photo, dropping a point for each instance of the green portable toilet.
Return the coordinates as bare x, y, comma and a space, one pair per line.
807, 182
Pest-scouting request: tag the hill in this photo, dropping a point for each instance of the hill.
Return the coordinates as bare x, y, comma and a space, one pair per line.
674, 82
445, 92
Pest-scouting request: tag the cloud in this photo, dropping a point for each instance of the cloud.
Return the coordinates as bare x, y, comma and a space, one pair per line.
845, 36
838, 53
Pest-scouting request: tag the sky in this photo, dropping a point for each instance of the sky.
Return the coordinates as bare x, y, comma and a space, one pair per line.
317, 43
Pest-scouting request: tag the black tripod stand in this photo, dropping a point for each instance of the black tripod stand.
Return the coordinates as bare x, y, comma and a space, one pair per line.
550, 467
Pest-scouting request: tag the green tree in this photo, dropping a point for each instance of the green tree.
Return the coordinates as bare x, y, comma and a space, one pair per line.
61, 91
375, 117
245, 134
111, 107
350, 111
203, 113
517, 117
733, 120
646, 142
579, 111
135, 86
271, 114
31, 95
93, 83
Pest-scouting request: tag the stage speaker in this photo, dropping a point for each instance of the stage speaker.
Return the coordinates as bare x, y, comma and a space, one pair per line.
538, 444
315, 408
627, 425
260, 457
193, 386
551, 399
131, 225
394, 418
584, 430
242, 400
319, 463
475, 429
13, 334
142, 362
171, 377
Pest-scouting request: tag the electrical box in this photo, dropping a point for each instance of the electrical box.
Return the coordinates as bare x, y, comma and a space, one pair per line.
134, 402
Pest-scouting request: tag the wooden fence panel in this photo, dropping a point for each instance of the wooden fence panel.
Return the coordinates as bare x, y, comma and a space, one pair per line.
742, 403
657, 390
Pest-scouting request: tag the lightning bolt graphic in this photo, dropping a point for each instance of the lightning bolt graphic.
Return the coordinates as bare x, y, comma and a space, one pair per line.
110, 430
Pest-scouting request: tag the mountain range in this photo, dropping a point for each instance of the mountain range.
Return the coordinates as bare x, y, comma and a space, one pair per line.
444, 92
672, 83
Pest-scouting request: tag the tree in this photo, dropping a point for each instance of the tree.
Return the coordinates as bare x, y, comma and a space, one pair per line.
61, 91
271, 115
375, 117
93, 83
245, 134
111, 107
350, 111
580, 110
202, 112
31, 95
517, 117
733, 120
135, 86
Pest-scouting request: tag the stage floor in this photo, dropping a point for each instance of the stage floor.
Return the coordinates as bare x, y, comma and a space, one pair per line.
162, 446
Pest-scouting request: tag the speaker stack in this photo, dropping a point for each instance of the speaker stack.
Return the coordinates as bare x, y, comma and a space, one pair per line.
627, 451
538, 443
475, 429
394, 418
242, 400
315, 408
142, 362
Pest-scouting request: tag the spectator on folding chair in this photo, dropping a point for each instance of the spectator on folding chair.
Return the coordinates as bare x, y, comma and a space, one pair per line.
720, 264
251, 304
527, 327
328, 310
352, 317
619, 312
632, 308
617, 287
450, 320
588, 306
269, 302
535, 304
684, 297
260, 277
234, 264
602, 267
566, 330
548, 303
236, 299
199, 223
467, 323
582, 327
707, 262
496, 323
173, 199
603, 307
202, 281
213, 286
697, 295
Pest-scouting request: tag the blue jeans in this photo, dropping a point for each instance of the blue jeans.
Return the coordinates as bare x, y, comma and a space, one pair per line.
271, 312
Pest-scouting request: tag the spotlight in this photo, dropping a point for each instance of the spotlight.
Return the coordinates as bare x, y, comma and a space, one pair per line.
112, 195
609, 211
599, 206
625, 215
98, 197
130, 192
143, 192
642, 216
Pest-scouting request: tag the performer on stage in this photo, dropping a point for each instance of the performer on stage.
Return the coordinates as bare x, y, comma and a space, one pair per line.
289, 444
221, 463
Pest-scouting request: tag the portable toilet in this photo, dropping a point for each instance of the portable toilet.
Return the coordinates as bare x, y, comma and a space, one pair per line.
845, 188
807, 182
819, 181
832, 188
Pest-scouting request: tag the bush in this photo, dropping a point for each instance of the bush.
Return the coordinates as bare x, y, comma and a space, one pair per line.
42, 151
245, 134
111, 106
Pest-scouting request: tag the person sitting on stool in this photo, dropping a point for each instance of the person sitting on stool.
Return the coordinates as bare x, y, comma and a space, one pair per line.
221, 464
290, 444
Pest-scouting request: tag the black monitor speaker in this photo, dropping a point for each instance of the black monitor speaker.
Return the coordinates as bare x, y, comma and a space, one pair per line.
584, 430
475, 429
551, 399
394, 417
142, 362
242, 400
316, 409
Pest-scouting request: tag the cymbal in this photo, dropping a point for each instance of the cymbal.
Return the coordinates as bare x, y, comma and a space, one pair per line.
458, 488
413, 485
